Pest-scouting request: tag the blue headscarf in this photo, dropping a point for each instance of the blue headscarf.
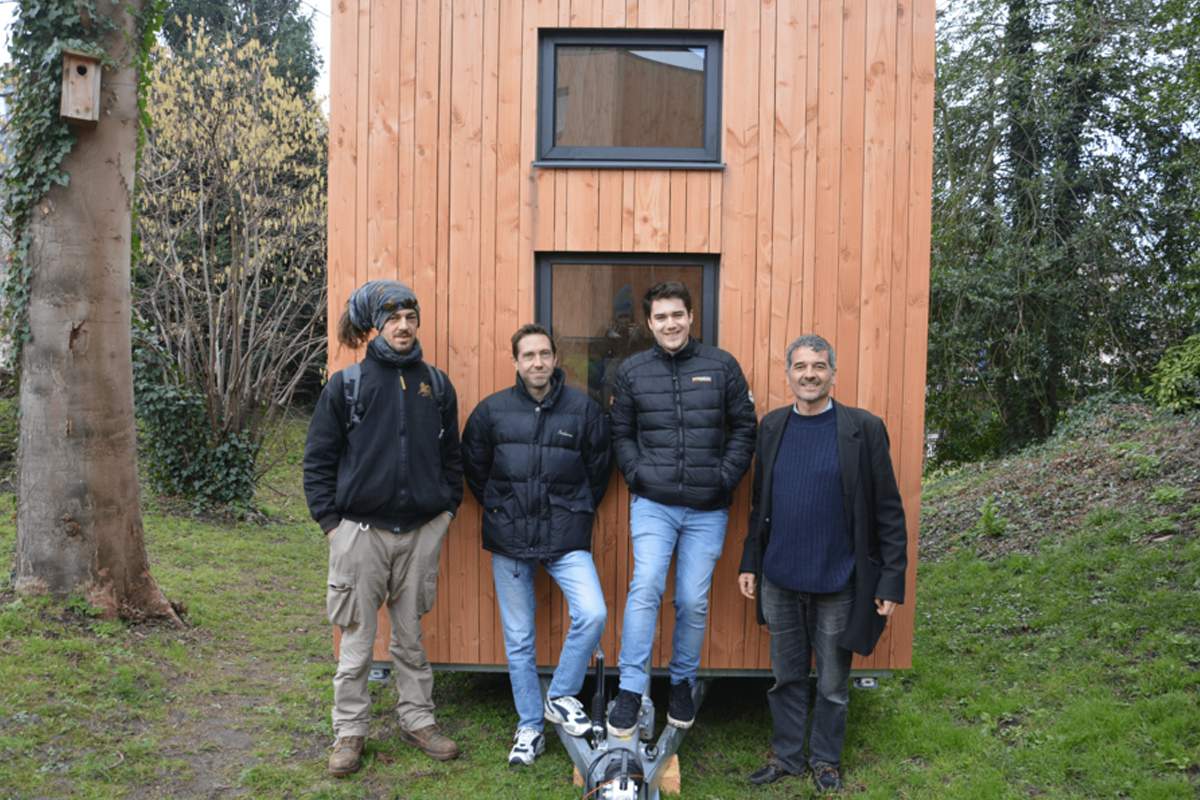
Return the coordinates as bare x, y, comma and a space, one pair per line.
375, 301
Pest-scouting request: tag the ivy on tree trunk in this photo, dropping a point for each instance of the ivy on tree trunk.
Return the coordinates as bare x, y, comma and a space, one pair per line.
79, 525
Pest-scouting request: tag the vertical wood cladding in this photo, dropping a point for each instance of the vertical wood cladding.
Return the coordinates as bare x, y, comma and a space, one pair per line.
821, 220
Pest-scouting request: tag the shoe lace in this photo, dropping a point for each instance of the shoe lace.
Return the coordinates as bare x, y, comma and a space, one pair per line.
525, 737
572, 704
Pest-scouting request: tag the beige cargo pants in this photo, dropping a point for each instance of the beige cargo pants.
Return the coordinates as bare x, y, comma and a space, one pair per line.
368, 566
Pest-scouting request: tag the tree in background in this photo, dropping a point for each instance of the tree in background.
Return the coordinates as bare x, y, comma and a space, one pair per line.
277, 23
1170, 130
1065, 194
231, 283
79, 524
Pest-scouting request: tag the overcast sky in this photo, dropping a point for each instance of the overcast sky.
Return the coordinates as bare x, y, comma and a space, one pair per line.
317, 9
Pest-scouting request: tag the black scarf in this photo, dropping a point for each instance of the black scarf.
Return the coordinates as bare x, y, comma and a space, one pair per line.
383, 351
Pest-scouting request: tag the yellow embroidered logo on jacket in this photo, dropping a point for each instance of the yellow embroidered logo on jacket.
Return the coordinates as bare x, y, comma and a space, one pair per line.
425, 390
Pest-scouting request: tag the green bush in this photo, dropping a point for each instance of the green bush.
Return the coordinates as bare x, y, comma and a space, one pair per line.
9, 429
965, 430
1175, 383
185, 455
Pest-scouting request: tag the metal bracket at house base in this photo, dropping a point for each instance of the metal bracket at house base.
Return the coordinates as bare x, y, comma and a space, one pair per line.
615, 768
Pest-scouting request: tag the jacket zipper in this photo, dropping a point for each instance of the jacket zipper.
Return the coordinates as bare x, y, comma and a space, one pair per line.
678, 420
402, 419
535, 478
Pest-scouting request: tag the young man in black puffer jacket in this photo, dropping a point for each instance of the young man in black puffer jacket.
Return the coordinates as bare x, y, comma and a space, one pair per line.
683, 431
537, 458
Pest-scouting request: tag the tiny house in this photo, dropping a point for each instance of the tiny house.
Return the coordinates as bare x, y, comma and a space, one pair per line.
548, 160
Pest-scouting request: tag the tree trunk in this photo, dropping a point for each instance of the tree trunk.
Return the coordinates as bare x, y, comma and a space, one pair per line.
79, 524
1022, 137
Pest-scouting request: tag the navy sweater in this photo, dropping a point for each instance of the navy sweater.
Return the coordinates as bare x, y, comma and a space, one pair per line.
809, 549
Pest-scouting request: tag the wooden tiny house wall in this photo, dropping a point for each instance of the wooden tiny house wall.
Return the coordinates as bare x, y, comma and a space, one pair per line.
820, 219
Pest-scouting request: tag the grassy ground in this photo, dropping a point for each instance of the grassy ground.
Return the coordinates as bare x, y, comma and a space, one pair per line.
1062, 662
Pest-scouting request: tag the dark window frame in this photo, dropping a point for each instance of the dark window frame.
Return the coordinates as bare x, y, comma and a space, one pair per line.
707, 302
550, 155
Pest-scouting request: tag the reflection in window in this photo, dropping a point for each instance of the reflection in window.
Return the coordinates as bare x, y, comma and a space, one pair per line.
595, 311
625, 97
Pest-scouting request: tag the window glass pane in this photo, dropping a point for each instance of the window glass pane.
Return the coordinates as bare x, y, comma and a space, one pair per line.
597, 317
612, 96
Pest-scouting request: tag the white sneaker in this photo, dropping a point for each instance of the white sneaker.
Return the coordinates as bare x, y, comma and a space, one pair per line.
528, 744
567, 713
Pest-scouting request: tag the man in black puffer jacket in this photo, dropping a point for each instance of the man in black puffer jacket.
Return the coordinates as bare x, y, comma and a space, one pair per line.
683, 430
537, 457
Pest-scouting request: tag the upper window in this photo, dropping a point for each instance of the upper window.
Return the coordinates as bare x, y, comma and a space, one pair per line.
629, 98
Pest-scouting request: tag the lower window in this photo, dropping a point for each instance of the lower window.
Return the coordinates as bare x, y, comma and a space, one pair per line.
592, 302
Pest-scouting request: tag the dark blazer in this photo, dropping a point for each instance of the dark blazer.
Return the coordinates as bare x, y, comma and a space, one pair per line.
874, 516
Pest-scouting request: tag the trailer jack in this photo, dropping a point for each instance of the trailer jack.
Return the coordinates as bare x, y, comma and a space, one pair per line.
623, 769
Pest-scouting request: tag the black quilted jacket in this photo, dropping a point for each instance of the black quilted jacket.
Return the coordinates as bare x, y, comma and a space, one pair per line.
683, 425
538, 469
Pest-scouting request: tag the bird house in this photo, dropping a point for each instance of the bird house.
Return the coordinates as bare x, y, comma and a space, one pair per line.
80, 87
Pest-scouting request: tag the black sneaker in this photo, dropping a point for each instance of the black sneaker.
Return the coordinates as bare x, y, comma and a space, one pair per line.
769, 773
623, 719
826, 777
681, 711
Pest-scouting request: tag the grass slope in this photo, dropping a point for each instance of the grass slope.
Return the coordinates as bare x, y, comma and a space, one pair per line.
1057, 655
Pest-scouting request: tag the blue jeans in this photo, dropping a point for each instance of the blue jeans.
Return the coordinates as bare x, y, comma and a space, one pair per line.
658, 531
802, 624
575, 574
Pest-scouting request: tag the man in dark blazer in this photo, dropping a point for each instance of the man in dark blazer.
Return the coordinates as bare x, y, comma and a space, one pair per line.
824, 557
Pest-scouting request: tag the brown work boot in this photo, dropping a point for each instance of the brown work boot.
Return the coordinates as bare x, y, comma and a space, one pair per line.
346, 756
432, 742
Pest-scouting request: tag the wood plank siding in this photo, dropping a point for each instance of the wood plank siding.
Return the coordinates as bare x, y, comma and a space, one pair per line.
820, 219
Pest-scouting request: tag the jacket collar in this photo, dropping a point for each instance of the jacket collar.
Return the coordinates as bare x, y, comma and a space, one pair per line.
557, 379
772, 435
684, 352
849, 438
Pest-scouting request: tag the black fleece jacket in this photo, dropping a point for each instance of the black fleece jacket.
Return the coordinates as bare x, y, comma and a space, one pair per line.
683, 425
538, 469
399, 466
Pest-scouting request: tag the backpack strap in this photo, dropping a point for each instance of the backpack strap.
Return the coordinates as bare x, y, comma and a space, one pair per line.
437, 383
351, 383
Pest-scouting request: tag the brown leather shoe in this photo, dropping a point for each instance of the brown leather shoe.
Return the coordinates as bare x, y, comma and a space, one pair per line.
431, 741
346, 756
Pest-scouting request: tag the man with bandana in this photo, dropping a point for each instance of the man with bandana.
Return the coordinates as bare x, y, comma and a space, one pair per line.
383, 477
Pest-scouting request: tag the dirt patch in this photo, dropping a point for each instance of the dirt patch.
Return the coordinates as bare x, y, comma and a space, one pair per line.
214, 746
1123, 455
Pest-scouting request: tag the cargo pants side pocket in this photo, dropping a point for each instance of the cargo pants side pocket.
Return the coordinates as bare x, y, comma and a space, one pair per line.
341, 599
433, 534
